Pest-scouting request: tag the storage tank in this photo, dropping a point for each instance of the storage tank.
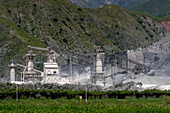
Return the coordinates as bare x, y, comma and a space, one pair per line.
12, 72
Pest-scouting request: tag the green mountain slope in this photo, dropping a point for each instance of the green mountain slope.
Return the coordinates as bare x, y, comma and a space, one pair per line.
13, 44
100, 3
155, 7
60, 23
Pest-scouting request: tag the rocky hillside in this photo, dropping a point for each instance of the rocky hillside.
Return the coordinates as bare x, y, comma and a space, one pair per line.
157, 56
100, 3
155, 7
60, 23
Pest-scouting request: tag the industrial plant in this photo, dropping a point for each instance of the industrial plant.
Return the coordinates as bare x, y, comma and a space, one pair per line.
104, 69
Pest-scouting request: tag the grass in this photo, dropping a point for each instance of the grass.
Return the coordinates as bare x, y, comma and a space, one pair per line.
27, 38
167, 18
154, 105
18, 44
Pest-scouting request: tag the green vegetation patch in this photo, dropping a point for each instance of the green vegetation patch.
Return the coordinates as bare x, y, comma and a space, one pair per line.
26, 38
160, 105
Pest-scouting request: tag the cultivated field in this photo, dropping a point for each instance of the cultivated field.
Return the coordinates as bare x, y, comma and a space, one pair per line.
149, 105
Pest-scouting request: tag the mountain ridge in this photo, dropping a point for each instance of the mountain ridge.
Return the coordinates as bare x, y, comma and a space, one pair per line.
100, 3
155, 7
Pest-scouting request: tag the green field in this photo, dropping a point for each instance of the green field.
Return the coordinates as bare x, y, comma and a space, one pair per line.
150, 105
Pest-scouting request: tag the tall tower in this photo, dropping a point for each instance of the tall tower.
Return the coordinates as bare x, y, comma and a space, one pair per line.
12, 73
30, 57
98, 66
29, 74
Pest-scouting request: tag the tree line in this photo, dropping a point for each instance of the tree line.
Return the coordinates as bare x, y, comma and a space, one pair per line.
69, 94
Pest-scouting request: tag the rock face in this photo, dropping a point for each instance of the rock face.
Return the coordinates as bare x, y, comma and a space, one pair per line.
157, 56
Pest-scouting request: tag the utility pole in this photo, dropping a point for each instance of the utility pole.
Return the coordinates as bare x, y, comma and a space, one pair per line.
16, 92
116, 62
86, 88
85, 84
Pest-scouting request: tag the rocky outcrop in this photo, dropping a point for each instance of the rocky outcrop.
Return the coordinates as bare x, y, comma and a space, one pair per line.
166, 25
126, 86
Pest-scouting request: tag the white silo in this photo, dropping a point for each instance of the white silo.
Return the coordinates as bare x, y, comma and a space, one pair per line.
30, 66
12, 73
99, 63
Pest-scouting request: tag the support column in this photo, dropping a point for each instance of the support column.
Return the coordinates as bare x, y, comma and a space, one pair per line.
70, 68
